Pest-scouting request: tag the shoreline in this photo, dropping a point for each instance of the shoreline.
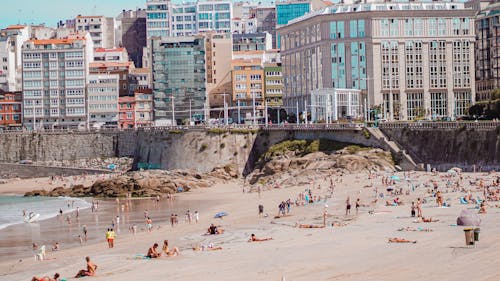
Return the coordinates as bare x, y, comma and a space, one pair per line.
355, 250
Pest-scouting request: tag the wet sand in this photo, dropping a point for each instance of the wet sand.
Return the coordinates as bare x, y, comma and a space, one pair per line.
16, 240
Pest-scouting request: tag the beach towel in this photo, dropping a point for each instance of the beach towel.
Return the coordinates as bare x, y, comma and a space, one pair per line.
462, 201
141, 257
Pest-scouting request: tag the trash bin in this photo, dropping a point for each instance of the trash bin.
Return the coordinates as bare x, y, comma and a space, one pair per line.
476, 233
469, 236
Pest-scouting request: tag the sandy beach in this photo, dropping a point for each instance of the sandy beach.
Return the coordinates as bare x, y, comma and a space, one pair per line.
355, 248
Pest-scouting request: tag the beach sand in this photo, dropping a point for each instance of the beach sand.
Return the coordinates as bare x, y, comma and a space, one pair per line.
356, 251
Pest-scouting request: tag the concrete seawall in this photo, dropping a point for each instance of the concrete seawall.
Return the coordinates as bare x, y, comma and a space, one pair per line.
33, 171
203, 150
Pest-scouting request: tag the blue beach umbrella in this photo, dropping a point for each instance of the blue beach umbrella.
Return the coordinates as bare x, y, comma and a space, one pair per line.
396, 178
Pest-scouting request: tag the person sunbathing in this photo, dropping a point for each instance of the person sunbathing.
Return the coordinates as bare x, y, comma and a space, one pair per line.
213, 230
415, 229
254, 238
422, 219
46, 278
174, 252
210, 247
400, 240
153, 253
91, 269
309, 226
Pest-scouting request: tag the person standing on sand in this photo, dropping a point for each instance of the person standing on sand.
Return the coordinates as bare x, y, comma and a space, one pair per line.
108, 237
149, 224
196, 216
172, 219
84, 230
412, 209
357, 206
261, 210
419, 208
347, 206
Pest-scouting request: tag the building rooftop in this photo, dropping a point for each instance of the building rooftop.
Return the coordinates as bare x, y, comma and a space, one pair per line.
88, 17
62, 41
381, 6
104, 50
17, 26
246, 62
109, 64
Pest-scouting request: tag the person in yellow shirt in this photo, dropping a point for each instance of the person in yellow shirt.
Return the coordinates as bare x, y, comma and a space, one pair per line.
110, 237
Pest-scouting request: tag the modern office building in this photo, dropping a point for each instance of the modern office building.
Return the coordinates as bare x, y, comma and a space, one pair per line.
290, 10
179, 75
11, 40
101, 29
54, 82
252, 42
132, 34
415, 59
328, 105
103, 92
11, 110
487, 55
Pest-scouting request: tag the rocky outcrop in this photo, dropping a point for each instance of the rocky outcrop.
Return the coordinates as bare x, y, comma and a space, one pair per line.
145, 183
288, 168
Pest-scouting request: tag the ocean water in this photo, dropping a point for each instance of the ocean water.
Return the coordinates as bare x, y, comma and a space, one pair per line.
11, 207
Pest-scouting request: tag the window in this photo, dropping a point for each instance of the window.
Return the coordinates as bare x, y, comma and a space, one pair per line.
353, 28
414, 64
415, 106
438, 104
462, 102
437, 64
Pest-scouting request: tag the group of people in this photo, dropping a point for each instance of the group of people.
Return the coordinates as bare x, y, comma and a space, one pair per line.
153, 252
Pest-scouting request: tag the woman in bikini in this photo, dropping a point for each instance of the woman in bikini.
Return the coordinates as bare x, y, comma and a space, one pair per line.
175, 251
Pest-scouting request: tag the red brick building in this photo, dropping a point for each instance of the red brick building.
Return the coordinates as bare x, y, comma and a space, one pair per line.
11, 110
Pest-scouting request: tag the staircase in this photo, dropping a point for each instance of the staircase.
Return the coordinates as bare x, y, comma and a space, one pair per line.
406, 162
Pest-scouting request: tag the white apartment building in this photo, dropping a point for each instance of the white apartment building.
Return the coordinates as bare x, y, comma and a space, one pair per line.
111, 55
214, 16
103, 90
184, 19
101, 29
412, 60
165, 18
158, 15
11, 41
54, 82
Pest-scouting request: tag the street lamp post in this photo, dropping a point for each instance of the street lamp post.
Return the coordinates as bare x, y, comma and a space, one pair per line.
265, 112
253, 107
190, 115
173, 111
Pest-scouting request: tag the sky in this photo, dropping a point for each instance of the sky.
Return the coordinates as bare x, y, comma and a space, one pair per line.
51, 11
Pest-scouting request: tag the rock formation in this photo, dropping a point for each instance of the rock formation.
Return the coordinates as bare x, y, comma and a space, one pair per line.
144, 183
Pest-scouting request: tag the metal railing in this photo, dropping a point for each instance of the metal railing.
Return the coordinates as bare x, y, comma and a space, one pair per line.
479, 125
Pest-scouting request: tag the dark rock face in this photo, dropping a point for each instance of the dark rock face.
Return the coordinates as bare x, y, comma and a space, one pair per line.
145, 183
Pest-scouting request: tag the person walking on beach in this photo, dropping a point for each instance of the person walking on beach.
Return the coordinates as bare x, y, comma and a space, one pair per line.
149, 224
358, 203
261, 210
77, 212
196, 216
419, 208
188, 216
84, 230
347, 206
172, 220
412, 209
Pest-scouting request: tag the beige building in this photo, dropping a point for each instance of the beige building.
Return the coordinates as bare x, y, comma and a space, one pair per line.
218, 67
101, 29
103, 92
411, 60
248, 88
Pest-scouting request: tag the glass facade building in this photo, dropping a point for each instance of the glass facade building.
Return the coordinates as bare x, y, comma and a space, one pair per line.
286, 12
179, 86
